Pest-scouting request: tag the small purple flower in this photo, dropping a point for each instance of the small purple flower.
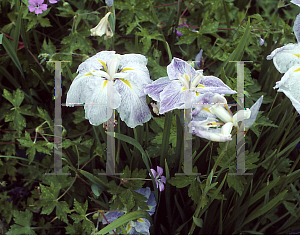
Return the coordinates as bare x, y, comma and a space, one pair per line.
159, 178
37, 6
53, 1
180, 26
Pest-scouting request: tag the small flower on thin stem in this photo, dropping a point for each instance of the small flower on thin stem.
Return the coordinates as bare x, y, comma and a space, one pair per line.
53, 1
261, 41
37, 6
159, 178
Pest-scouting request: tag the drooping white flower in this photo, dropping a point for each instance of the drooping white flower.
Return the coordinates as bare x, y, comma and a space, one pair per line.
103, 28
290, 85
106, 75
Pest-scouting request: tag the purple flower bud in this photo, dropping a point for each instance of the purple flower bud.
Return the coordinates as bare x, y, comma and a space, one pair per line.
261, 41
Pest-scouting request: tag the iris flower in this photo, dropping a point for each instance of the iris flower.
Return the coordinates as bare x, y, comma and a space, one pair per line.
103, 28
159, 178
205, 123
141, 225
37, 6
289, 85
125, 75
170, 91
287, 56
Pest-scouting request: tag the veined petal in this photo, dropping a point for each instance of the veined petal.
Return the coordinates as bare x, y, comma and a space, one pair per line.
142, 226
285, 57
290, 86
112, 216
172, 97
209, 134
93, 63
145, 191
155, 88
214, 85
129, 59
160, 171
133, 109
96, 104
296, 27
76, 93
254, 111
177, 68
153, 172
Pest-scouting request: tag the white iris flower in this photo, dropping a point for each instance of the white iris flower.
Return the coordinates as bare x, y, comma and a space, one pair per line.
107, 75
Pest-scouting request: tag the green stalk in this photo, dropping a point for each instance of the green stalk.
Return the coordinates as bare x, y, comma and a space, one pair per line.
165, 139
196, 214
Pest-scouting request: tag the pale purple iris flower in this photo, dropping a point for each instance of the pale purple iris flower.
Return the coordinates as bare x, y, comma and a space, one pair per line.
213, 119
159, 178
141, 225
37, 6
183, 81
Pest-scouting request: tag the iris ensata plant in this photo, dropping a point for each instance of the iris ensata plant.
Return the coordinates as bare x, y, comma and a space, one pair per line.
287, 60
103, 28
206, 118
141, 225
171, 91
126, 75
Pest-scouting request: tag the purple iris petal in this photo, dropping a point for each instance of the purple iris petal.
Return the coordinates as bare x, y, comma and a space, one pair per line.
296, 27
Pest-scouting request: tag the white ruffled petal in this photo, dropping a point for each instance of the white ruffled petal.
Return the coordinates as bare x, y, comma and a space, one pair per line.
133, 110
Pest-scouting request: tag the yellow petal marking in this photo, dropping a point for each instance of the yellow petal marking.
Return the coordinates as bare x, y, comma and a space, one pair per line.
200, 86
126, 82
206, 109
197, 93
88, 74
298, 55
141, 220
227, 108
297, 70
104, 84
103, 64
187, 78
126, 69
128, 227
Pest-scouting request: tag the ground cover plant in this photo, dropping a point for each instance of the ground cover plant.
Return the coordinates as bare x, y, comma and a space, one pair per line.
157, 125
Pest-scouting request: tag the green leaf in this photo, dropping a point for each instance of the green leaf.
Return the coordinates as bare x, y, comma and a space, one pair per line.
1, 36
94, 180
40, 146
198, 221
237, 182
23, 223
262, 209
188, 36
12, 54
181, 181
124, 219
